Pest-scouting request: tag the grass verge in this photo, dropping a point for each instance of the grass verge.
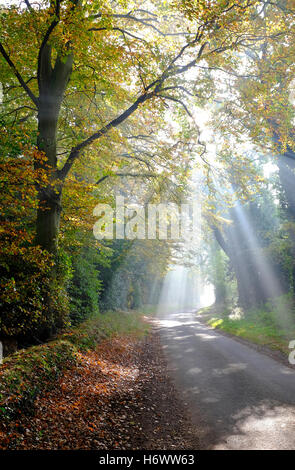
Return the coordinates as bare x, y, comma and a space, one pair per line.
29, 372
272, 325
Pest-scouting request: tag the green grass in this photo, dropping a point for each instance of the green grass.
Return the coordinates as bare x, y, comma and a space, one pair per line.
272, 325
29, 372
149, 309
102, 326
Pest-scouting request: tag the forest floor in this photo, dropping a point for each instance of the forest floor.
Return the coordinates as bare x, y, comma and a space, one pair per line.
120, 397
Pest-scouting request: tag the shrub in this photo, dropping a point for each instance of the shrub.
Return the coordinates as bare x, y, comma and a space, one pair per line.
84, 287
33, 298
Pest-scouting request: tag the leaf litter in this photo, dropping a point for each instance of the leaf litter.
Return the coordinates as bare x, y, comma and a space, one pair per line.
120, 396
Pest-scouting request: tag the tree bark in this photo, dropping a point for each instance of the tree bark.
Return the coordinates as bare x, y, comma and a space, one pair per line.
48, 220
52, 84
286, 164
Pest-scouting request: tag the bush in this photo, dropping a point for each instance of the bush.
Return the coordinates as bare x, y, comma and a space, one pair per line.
84, 287
33, 299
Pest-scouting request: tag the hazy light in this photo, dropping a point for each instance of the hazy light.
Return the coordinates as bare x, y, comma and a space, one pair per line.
268, 169
267, 279
207, 296
180, 291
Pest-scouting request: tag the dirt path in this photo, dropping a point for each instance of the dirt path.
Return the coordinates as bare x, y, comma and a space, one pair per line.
119, 397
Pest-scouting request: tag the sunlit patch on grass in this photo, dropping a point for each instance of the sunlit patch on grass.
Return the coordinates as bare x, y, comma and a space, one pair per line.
268, 325
216, 322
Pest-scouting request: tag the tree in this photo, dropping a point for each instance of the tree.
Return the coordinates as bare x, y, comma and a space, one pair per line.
256, 104
70, 39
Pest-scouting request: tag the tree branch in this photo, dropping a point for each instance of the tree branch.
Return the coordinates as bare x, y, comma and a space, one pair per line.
176, 100
61, 174
53, 24
18, 109
220, 240
29, 6
135, 175
152, 90
123, 31
146, 21
18, 75
156, 84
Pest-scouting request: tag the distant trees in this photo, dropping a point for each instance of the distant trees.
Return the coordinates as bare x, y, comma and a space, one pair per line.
135, 275
255, 114
258, 250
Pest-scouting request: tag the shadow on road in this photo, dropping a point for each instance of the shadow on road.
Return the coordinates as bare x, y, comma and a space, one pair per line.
239, 398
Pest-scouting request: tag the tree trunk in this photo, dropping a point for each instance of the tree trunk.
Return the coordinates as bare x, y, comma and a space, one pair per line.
220, 294
52, 84
250, 292
49, 204
48, 219
286, 164
9, 345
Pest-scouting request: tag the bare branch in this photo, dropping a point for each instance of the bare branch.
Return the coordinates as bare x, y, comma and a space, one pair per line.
133, 175
11, 87
140, 136
179, 87
29, 6
53, 24
146, 21
18, 109
123, 31
177, 100
102, 179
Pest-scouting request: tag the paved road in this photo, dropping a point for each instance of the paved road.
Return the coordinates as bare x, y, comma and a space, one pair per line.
240, 398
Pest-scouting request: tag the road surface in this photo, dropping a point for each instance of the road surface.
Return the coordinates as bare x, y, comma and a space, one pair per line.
239, 398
